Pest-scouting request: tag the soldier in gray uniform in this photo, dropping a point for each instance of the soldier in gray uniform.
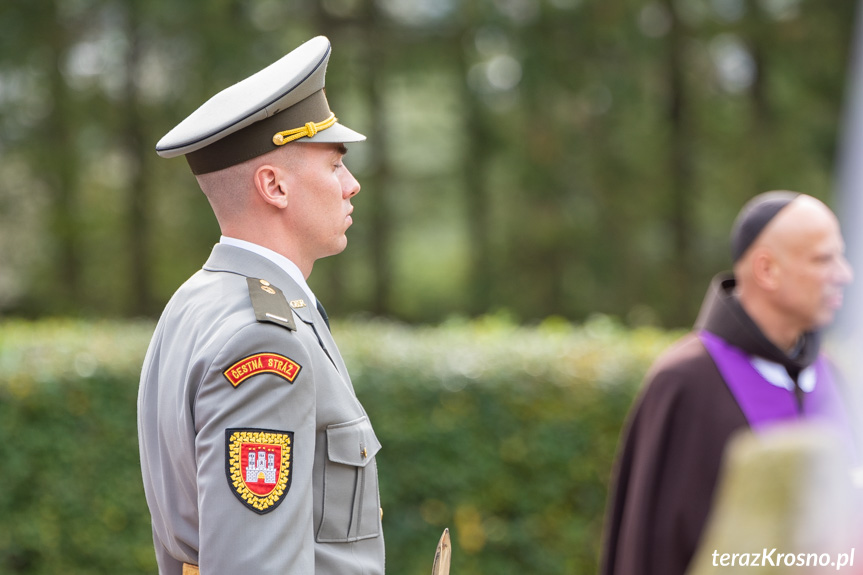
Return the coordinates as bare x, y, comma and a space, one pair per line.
256, 455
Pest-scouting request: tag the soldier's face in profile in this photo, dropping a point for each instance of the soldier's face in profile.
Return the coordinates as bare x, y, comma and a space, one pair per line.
320, 192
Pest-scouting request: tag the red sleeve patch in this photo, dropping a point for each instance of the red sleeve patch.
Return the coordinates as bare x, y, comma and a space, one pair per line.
258, 466
262, 363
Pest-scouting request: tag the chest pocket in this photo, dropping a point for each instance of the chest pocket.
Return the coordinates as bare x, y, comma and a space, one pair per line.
351, 496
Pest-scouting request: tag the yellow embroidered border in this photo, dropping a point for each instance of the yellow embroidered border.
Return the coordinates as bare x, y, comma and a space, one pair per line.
236, 438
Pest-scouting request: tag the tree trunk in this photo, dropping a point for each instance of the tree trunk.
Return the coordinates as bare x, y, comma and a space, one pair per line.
141, 296
378, 200
681, 174
477, 212
62, 167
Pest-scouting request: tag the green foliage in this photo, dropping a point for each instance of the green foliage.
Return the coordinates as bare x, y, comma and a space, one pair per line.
72, 499
504, 434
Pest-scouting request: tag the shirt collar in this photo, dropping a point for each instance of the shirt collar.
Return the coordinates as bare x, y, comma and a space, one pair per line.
287, 265
777, 375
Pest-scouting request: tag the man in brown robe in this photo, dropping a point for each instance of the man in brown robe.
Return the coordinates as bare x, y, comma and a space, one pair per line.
788, 275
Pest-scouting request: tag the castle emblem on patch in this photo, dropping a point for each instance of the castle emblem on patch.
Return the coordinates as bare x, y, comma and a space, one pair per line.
259, 466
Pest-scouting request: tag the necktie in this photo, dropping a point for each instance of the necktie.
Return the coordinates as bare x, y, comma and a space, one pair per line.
323, 313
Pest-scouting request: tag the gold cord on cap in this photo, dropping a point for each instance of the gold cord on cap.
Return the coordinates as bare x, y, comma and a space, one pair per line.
309, 130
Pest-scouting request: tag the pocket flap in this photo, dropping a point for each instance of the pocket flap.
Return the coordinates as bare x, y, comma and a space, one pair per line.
352, 443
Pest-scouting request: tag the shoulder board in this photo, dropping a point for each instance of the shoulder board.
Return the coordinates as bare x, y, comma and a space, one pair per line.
270, 304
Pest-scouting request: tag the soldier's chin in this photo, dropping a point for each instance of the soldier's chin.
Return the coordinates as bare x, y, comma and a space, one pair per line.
338, 247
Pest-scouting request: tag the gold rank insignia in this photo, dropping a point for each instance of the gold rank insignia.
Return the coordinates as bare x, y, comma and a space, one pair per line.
259, 466
270, 304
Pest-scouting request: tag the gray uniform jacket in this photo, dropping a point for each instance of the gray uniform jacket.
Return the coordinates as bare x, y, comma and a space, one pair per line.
256, 455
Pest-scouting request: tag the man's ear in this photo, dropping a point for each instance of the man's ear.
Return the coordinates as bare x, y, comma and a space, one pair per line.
765, 270
271, 185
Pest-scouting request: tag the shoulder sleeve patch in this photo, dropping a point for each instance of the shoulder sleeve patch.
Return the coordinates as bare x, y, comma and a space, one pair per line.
270, 304
274, 363
259, 466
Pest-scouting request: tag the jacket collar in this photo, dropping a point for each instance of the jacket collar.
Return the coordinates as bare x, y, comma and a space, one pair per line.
231, 259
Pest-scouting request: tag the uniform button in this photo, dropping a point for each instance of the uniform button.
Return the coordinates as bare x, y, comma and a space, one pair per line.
382, 512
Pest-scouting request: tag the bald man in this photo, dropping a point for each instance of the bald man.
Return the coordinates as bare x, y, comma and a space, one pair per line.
752, 361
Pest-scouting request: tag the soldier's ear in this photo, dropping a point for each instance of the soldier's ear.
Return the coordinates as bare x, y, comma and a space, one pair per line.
271, 185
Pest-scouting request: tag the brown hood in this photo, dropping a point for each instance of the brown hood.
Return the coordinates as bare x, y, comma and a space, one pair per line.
723, 315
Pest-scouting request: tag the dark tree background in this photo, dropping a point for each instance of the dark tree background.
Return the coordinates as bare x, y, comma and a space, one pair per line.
532, 157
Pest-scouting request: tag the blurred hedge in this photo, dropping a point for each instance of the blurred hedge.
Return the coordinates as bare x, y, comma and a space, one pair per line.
504, 434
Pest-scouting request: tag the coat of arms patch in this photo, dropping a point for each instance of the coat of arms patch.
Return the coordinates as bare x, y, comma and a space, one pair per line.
258, 466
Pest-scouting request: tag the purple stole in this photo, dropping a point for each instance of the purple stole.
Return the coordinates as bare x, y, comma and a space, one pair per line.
763, 403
